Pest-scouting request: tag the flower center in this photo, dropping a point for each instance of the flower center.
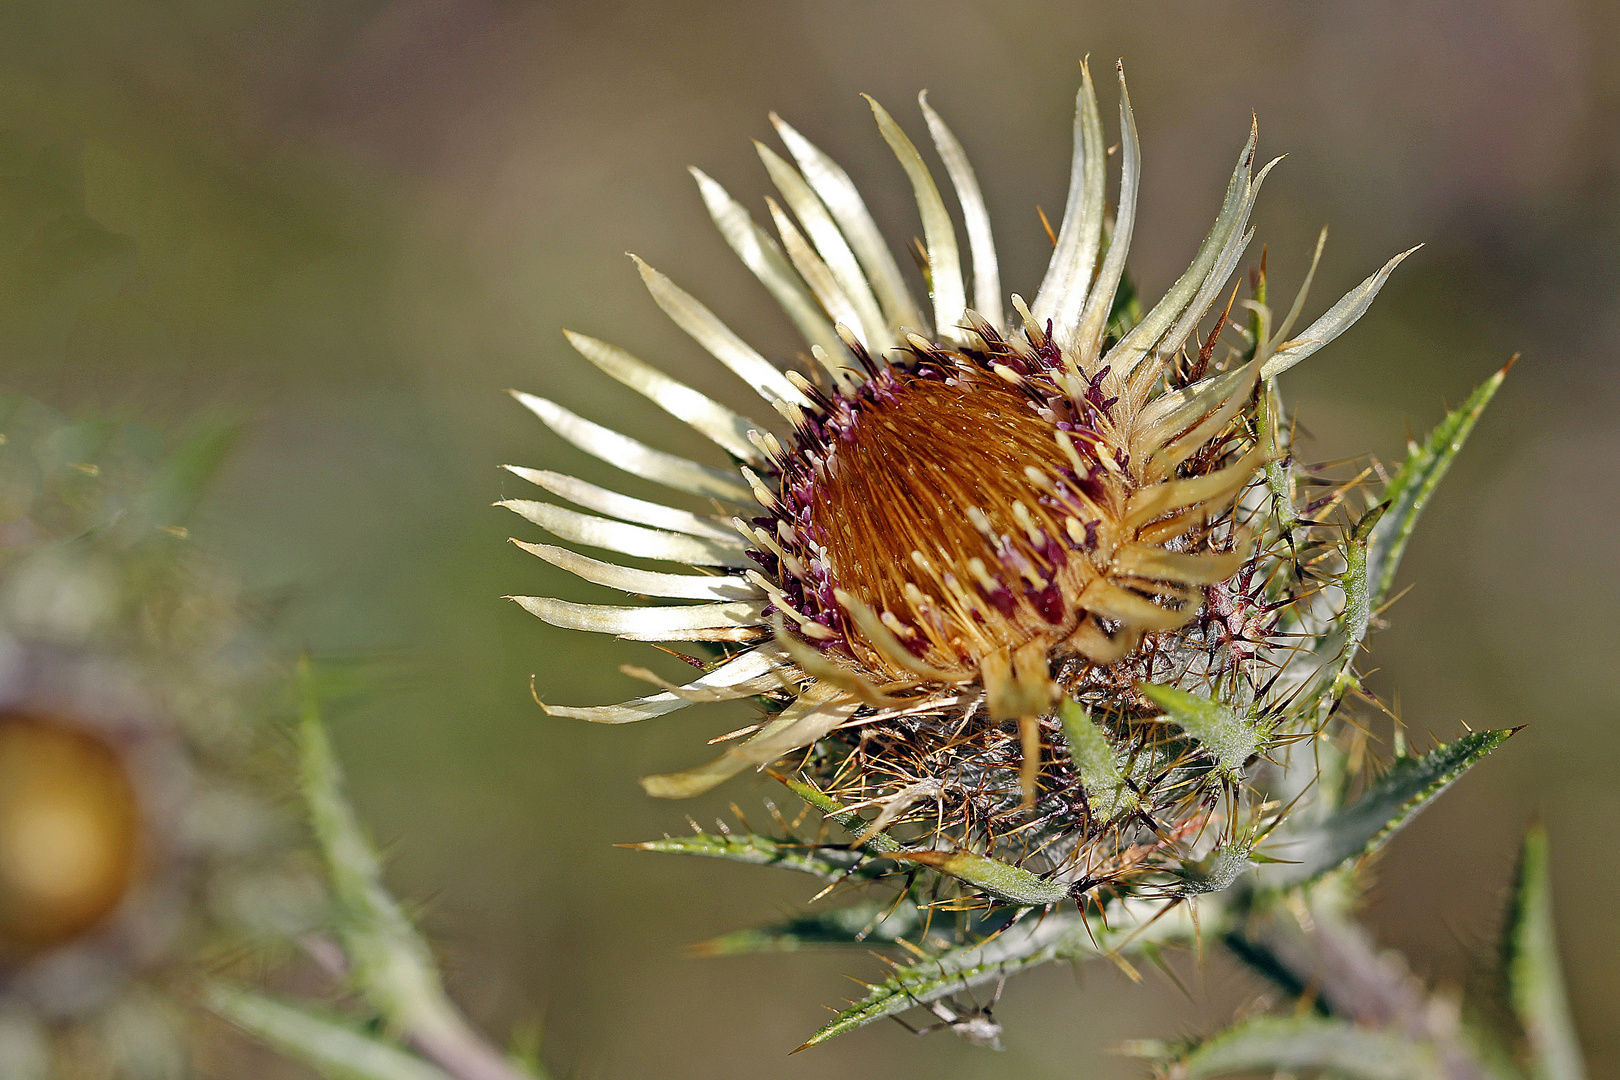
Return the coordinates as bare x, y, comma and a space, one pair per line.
948, 504
68, 832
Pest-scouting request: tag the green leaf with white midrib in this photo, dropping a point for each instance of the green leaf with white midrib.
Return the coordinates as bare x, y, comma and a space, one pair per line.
1535, 979
1356, 581
869, 923
1278, 473
827, 863
1036, 939
1366, 824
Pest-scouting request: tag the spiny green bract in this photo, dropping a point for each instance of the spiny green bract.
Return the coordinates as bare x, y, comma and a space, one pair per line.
1264, 754
1357, 1012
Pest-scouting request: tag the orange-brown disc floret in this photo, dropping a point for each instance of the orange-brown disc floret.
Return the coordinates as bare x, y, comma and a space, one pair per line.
961, 517
956, 512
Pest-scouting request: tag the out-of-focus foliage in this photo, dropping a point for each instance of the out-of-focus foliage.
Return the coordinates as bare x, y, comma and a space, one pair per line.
378, 953
141, 838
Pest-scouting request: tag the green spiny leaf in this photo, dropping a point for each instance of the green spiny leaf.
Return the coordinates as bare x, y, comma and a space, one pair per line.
867, 923
1365, 825
1408, 493
393, 966
1357, 614
1228, 738
1003, 881
827, 863
1270, 1044
845, 819
1094, 760
331, 1046
1279, 477
1534, 977
1348, 628
1029, 942
1217, 871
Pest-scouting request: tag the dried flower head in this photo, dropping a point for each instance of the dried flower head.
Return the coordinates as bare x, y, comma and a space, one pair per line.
1005, 584
137, 842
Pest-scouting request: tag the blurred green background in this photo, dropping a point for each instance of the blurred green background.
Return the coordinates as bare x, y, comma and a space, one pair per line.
356, 223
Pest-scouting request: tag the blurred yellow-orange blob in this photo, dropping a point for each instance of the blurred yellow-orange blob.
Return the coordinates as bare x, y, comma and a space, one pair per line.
69, 832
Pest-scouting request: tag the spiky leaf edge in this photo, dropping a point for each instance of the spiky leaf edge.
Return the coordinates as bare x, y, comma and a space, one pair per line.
392, 967
1365, 825
864, 923
1535, 980
825, 862
1408, 493
1034, 940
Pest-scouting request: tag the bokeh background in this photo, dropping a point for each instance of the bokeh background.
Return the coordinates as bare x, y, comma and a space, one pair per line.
353, 224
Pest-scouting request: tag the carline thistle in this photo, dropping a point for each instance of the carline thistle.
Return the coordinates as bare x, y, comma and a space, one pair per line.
1008, 587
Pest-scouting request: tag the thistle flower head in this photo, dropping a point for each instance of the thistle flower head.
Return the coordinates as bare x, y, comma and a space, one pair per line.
135, 838
1001, 574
